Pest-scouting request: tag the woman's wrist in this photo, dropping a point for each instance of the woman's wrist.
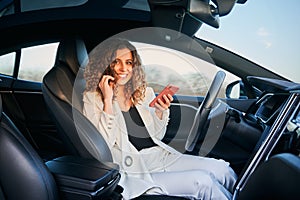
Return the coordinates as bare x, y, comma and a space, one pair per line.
159, 113
108, 106
107, 101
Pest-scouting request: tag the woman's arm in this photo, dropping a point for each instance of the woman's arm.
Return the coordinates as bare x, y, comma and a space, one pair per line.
160, 117
104, 122
107, 91
162, 106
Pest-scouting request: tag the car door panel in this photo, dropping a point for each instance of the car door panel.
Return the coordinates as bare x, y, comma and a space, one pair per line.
5, 83
25, 105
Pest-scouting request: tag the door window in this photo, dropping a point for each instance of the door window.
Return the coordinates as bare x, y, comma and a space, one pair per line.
7, 63
37, 61
191, 74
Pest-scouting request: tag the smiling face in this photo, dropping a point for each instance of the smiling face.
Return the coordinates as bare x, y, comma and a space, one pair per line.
123, 65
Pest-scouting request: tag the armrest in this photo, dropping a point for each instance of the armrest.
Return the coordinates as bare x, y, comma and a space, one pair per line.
85, 177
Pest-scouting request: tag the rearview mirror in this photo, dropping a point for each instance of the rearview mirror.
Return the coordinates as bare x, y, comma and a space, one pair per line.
224, 7
204, 12
187, 16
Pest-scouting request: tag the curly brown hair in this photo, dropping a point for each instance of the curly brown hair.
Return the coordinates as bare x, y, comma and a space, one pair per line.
101, 60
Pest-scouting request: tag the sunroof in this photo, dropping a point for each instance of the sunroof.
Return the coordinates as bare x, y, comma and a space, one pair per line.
7, 7
137, 5
27, 5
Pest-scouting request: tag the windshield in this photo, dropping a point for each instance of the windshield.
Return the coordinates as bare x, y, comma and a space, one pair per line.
265, 32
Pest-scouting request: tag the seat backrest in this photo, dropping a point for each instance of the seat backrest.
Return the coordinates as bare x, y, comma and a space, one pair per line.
23, 174
63, 88
276, 178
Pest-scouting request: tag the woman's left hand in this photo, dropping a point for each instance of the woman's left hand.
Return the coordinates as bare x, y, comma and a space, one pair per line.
161, 105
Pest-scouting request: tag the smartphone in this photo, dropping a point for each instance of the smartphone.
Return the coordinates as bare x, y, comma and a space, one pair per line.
169, 89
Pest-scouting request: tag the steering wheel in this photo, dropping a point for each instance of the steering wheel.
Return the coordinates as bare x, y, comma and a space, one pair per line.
203, 111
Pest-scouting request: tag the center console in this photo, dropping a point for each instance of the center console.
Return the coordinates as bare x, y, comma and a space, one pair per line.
84, 179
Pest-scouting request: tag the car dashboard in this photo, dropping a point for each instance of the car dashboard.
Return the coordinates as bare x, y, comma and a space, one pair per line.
261, 130
276, 96
278, 111
269, 106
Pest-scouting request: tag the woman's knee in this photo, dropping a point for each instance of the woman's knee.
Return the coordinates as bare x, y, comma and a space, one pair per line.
207, 187
226, 176
223, 169
203, 183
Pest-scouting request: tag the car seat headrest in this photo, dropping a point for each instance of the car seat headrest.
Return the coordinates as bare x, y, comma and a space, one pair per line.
73, 53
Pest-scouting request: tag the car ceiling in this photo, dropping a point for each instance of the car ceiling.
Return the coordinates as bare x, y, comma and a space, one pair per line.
130, 11
112, 17
58, 22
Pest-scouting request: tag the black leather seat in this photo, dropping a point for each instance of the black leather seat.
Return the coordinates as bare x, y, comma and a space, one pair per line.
23, 174
276, 179
64, 102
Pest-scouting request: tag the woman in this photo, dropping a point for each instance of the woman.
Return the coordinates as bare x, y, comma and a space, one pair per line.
116, 100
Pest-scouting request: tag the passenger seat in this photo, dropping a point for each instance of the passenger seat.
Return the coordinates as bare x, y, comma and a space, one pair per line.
277, 178
23, 174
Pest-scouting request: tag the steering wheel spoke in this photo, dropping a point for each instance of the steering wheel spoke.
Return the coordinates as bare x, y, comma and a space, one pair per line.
203, 111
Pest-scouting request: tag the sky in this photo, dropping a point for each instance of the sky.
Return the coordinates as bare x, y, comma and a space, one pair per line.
266, 32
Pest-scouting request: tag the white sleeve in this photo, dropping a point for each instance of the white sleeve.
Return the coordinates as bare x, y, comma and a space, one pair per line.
93, 110
160, 124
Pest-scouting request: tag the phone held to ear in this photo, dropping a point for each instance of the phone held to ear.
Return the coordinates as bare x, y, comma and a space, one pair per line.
169, 89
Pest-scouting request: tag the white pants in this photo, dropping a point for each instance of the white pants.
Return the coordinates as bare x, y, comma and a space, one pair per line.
196, 177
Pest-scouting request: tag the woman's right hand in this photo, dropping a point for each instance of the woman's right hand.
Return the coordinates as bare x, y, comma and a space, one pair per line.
106, 86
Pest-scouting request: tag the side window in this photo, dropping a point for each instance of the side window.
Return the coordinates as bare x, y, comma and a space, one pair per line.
7, 63
37, 61
192, 75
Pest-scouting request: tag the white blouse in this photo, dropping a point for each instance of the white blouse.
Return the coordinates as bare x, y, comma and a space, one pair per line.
135, 173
